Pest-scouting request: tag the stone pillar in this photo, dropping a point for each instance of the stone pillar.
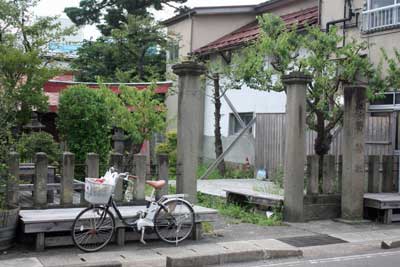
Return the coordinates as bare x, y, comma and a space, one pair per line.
329, 175
140, 172
119, 141
190, 126
374, 175
295, 145
40, 180
312, 174
116, 161
67, 178
353, 153
162, 168
92, 165
387, 173
13, 182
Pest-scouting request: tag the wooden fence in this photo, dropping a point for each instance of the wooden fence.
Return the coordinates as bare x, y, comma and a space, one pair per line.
270, 139
68, 191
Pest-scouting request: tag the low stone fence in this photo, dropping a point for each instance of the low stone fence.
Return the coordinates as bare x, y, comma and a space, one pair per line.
70, 191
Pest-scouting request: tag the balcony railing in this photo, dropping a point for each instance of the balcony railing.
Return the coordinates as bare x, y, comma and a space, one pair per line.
381, 18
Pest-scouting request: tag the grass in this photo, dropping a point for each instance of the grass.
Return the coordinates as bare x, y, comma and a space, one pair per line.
230, 173
243, 214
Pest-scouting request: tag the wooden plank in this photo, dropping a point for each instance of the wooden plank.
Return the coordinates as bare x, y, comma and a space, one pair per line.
50, 186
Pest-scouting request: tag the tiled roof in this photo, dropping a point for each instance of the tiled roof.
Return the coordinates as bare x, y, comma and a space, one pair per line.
251, 31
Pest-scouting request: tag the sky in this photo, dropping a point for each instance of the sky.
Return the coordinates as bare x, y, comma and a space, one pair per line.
56, 7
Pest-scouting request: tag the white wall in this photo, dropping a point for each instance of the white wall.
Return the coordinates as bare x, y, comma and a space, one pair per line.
244, 100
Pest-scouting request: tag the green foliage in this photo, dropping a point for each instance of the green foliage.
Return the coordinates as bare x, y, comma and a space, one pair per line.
330, 64
29, 144
138, 112
112, 14
84, 121
243, 214
23, 67
169, 148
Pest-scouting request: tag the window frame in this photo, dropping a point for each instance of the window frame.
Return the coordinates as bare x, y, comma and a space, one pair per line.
233, 121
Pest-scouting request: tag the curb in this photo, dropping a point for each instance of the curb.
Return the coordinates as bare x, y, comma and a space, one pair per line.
230, 257
93, 264
388, 244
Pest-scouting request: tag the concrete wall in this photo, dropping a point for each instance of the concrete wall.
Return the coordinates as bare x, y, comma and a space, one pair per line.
182, 31
386, 39
293, 7
208, 28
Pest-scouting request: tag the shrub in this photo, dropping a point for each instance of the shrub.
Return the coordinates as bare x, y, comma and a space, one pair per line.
29, 144
84, 121
169, 147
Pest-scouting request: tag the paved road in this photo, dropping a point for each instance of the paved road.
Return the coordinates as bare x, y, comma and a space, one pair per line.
381, 259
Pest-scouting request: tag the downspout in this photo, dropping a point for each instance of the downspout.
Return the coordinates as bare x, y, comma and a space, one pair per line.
319, 12
191, 33
344, 20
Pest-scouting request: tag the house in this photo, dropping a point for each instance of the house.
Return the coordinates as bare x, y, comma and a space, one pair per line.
374, 21
232, 28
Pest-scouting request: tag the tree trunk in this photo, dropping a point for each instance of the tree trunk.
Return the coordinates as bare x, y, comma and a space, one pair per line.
322, 142
217, 125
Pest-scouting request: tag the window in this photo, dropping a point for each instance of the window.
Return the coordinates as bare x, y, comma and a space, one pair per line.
234, 125
173, 51
390, 100
381, 14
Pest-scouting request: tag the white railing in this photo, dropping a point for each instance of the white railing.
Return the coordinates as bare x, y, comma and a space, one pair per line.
380, 18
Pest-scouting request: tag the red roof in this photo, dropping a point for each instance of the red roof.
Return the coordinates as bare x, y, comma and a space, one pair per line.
53, 88
251, 31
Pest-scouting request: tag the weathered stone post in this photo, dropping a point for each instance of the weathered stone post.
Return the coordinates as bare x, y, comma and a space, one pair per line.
374, 175
92, 165
140, 171
353, 153
295, 145
116, 161
387, 173
67, 178
40, 180
190, 125
12, 185
312, 173
329, 175
162, 174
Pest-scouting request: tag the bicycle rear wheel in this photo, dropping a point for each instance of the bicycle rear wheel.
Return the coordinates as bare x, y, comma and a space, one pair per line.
174, 221
93, 228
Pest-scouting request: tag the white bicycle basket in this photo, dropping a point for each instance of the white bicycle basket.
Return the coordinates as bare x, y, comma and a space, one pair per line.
97, 193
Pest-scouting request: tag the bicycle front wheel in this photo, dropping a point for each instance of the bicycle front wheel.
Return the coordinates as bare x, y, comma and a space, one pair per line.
93, 228
174, 221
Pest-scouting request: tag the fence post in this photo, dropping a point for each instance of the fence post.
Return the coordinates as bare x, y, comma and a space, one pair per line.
387, 173
12, 184
140, 171
328, 177
116, 161
162, 168
67, 178
340, 173
40, 180
92, 165
312, 172
374, 175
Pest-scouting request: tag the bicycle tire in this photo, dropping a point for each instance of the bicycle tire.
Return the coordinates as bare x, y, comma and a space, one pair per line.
87, 225
165, 221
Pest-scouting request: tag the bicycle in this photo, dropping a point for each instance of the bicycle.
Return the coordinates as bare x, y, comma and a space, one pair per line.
171, 217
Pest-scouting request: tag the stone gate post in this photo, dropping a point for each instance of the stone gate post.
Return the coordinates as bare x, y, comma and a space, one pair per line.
353, 152
295, 145
190, 125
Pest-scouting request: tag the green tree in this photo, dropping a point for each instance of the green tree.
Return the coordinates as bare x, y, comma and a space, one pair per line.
280, 51
138, 112
112, 14
29, 144
23, 67
85, 122
133, 52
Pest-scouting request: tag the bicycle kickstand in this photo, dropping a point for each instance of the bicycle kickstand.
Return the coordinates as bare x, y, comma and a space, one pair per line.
142, 237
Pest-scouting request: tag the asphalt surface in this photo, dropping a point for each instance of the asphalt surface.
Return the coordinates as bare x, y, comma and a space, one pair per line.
378, 258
